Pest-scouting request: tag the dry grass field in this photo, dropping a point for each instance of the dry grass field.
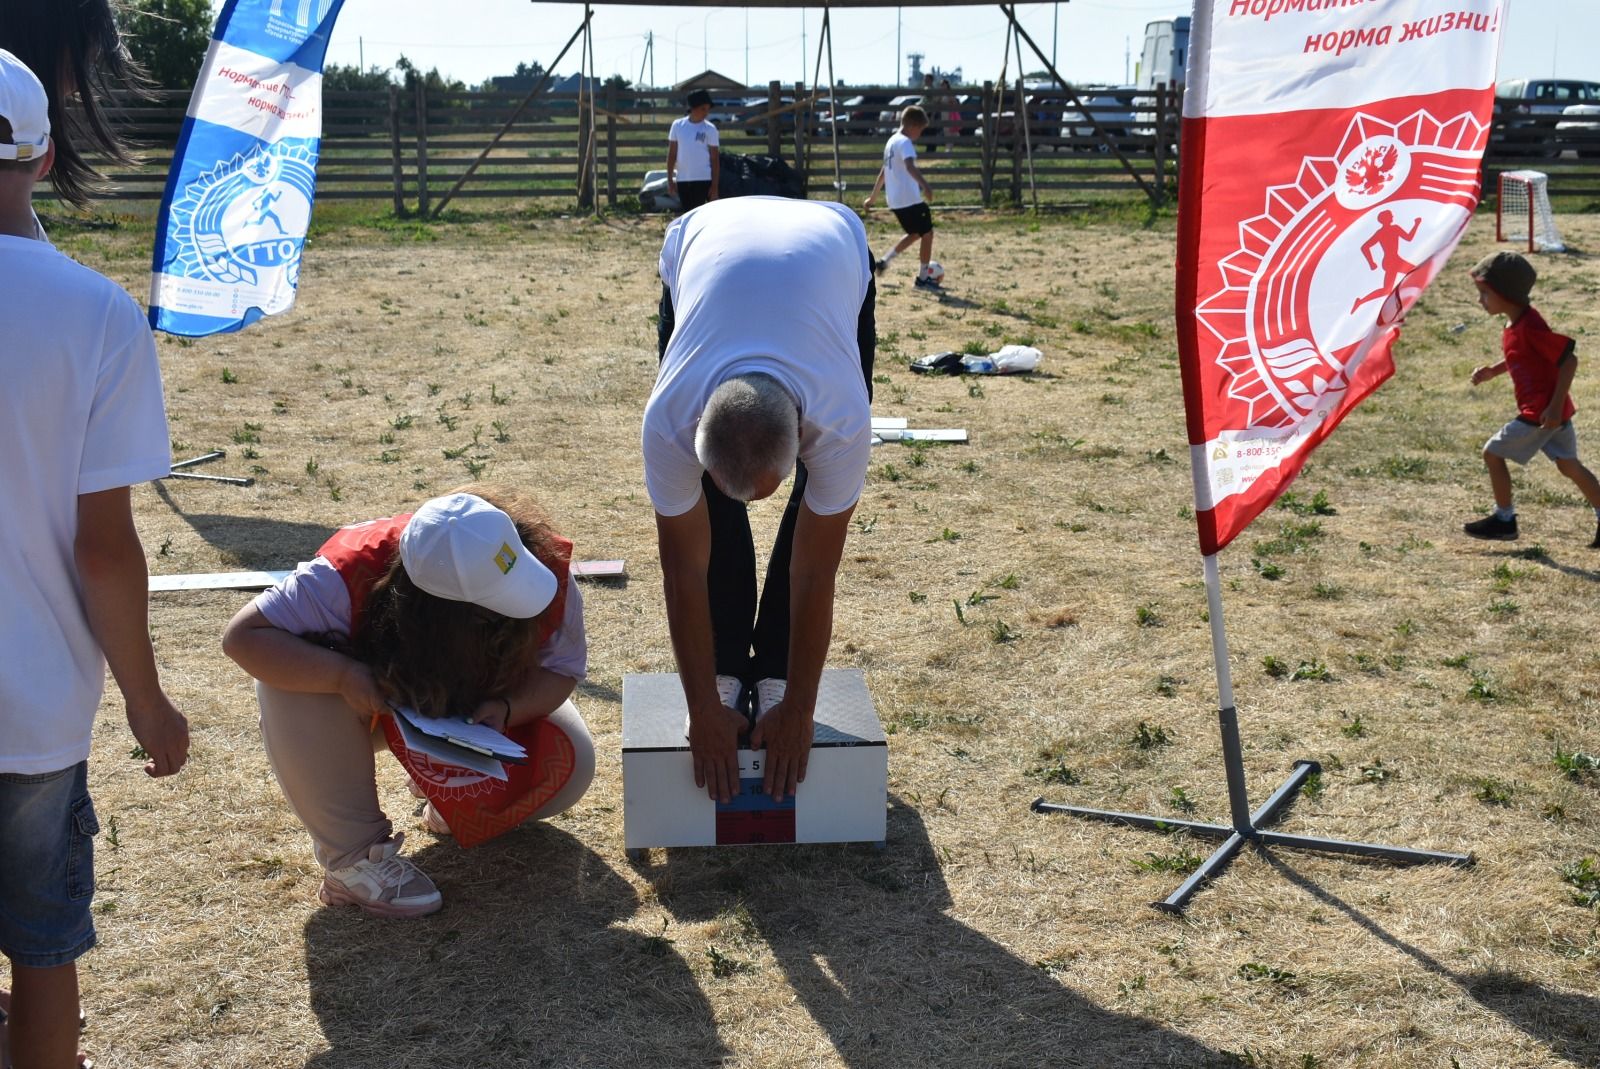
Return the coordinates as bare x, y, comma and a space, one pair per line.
1029, 613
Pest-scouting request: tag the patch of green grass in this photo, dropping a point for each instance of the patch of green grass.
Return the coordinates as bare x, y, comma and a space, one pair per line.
1356, 729
1317, 506
1274, 667
1533, 552
1491, 791
1001, 632
1256, 972
1294, 537
1325, 591
1269, 570
1180, 862
726, 965
1147, 616
1150, 736
1315, 671
1179, 799
1504, 607
1575, 764
1057, 774
1481, 689
1378, 772
1583, 876
1167, 686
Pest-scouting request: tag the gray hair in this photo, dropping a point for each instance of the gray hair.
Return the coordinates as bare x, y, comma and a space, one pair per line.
750, 430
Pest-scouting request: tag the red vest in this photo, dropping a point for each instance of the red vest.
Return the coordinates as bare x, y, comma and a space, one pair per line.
476, 807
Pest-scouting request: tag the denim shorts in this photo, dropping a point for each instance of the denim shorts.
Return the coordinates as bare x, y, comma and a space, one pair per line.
47, 829
1520, 439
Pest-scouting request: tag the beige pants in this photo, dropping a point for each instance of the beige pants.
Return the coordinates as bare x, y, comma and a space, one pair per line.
322, 751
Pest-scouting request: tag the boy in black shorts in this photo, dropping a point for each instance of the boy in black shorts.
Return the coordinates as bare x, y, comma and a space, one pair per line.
907, 194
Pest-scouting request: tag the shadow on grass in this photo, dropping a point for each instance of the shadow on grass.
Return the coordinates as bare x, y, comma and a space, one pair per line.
1566, 1021
1544, 560
252, 541
865, 941
524, 966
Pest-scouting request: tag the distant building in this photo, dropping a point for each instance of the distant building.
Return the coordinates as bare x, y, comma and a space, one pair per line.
714, 83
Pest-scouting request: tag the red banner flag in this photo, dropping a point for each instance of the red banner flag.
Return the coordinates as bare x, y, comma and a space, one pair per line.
1331, 162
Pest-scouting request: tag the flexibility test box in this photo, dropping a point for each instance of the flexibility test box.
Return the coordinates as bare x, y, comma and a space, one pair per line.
843, 799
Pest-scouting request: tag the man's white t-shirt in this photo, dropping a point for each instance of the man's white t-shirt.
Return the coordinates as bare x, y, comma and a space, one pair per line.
772, 285
900, 190
696, 142
80, 412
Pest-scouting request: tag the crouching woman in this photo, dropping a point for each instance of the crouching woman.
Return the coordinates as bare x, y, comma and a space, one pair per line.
464, 608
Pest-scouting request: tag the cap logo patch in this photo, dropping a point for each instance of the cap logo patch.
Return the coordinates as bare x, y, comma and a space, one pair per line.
24, 152
506, 558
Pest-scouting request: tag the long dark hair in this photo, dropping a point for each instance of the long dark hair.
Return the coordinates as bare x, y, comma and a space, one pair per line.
444, 657
74, 45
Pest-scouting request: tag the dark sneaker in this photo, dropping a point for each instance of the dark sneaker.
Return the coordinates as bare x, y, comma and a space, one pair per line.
927, 283
1494, 529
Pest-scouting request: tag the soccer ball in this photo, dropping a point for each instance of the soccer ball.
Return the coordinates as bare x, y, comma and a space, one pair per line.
935, 271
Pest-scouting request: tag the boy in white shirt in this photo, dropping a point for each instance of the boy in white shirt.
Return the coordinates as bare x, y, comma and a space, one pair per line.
694, 170
907, 193
81, 419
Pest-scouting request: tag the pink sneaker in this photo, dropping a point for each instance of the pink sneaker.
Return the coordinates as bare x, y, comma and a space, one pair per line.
382, 884
434, 820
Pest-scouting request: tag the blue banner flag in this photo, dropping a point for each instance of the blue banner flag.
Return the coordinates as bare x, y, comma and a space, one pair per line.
238, 201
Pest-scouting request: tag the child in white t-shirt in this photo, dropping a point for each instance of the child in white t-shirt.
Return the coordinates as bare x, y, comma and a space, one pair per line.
907, 193
81, 419
694, 165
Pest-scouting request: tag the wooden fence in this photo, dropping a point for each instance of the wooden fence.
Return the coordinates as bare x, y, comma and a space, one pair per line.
413, 149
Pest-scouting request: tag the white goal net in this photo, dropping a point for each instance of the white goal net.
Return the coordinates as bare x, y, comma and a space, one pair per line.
1523, 214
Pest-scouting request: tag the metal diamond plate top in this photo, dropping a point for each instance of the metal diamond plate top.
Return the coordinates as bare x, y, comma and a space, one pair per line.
654, 711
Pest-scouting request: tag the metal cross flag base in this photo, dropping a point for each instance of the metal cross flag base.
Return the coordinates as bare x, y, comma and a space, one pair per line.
1247, 826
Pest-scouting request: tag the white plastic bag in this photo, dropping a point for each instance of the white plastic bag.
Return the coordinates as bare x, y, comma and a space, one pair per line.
1010, 359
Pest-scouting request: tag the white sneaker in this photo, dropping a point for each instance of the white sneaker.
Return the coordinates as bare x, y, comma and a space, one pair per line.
729, 690
769, 692
382, 884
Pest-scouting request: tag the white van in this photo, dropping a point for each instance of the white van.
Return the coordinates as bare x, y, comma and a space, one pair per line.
1166, 51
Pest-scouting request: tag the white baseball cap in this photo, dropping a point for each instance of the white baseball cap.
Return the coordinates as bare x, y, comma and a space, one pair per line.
26, 107
462, 548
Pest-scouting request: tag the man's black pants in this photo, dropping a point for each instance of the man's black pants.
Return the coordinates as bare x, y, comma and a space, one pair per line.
754, 645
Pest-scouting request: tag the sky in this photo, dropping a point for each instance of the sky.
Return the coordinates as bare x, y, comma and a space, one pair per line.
1091, 39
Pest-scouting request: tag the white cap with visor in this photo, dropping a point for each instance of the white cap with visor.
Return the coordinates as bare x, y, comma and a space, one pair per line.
26, 109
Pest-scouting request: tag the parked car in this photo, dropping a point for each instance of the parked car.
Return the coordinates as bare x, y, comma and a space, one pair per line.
755, 113
1113, 111
728, 111
889, 117
858, 115
1579, 129
1529, 107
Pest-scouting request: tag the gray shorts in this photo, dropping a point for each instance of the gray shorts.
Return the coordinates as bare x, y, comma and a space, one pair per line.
1518, 441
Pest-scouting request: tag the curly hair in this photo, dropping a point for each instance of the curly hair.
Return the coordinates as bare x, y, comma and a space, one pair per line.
74, 45
443, 657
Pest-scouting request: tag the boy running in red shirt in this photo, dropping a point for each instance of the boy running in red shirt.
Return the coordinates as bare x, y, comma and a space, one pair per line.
1541, 363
